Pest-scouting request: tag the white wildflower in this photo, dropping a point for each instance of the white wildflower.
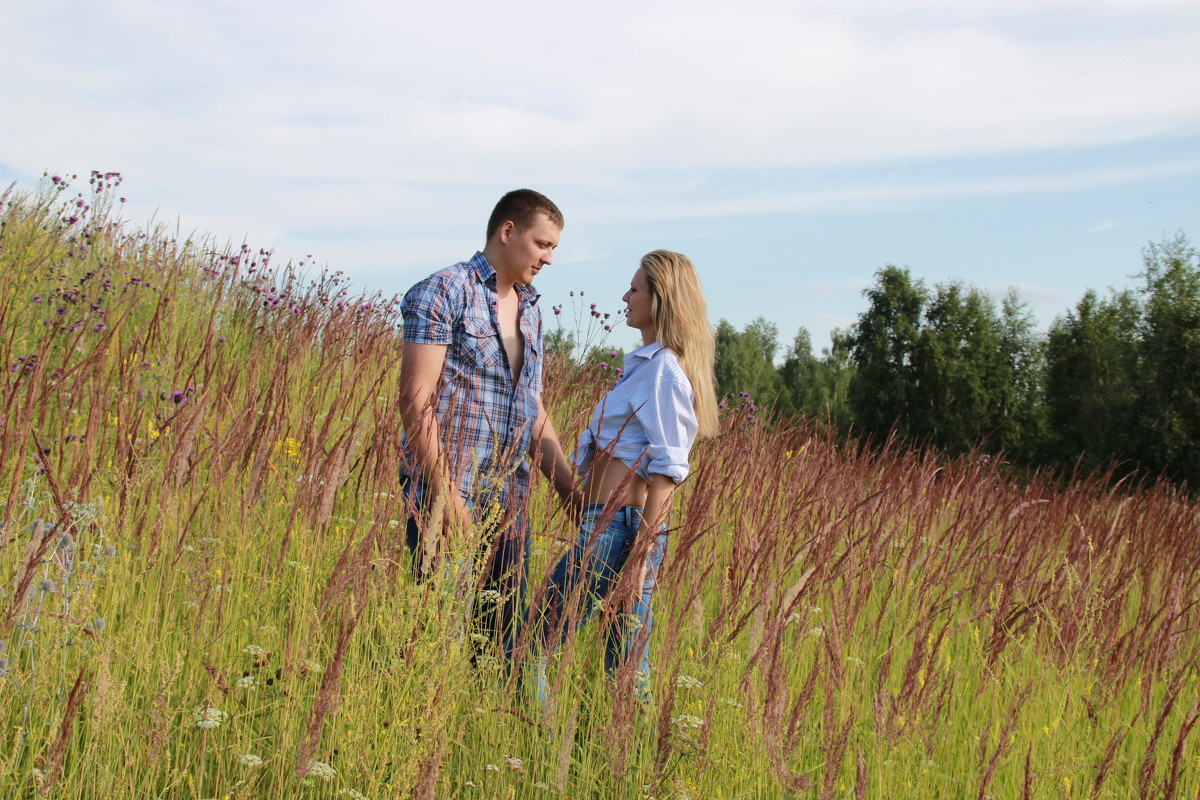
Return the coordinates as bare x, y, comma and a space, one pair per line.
491, 767
686, 721
354, 794
319, 769
38, 776
246, 682
514, 763
541, 785
729, 701
489, 596
688, 682
487, 662
816, 632
251, 761
254, 651
207, 718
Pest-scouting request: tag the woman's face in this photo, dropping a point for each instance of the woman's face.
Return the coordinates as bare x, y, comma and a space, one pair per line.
637, 303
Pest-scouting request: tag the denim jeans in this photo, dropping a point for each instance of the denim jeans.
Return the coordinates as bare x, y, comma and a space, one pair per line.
505, 567
597, 561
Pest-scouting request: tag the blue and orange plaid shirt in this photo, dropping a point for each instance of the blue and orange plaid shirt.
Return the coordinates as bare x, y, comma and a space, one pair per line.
485, 417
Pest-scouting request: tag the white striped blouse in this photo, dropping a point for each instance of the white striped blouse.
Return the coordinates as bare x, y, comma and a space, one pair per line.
647, 420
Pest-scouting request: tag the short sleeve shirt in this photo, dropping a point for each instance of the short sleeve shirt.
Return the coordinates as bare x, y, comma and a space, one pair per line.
485, 417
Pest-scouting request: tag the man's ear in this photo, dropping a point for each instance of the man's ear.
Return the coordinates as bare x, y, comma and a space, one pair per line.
505, 231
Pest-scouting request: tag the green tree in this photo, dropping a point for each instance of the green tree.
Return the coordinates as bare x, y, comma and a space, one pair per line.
1091, 381
959, 369
746, 363
819, 386
882, 344
1168, 408
945, 367
1022, 427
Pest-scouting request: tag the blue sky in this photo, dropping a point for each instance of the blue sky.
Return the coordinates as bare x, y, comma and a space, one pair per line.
790, 148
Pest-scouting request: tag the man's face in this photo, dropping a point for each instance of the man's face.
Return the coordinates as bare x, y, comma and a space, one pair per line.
527, 251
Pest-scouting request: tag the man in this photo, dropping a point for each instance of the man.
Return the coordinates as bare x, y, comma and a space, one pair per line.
470, 397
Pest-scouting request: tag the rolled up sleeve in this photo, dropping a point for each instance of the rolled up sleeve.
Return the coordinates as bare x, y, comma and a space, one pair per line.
670, 424
428, 314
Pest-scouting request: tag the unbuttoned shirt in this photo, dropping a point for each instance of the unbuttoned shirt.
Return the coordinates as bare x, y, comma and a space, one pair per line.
647, 421
485, 418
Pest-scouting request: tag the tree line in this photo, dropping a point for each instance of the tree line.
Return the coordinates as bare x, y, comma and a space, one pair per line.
1114, 381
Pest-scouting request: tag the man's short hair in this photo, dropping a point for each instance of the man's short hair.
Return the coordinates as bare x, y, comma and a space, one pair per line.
522, 207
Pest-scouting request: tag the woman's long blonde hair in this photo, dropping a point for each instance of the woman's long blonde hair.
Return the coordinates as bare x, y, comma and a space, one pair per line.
680, 318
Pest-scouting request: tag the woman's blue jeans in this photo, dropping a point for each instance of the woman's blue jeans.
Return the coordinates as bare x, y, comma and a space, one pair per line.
594, 567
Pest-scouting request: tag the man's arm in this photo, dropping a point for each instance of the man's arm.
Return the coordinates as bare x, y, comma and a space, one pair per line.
420, 370
545, 448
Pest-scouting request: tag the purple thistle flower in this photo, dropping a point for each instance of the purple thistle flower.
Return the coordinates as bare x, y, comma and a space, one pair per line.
603, 365
100, 327
37, 298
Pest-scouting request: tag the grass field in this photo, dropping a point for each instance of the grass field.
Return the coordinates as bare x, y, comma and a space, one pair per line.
204, 590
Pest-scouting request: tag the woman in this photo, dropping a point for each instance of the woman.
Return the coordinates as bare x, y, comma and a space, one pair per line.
634, 454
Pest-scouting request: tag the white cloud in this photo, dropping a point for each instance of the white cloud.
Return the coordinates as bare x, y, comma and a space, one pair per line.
440, 92
376, 135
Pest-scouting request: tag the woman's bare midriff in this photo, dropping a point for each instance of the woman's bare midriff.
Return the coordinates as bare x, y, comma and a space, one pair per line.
604, 483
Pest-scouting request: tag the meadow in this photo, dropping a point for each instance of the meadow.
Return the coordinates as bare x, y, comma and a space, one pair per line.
204, 590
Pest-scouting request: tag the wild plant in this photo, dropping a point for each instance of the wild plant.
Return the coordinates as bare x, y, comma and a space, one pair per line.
218, 600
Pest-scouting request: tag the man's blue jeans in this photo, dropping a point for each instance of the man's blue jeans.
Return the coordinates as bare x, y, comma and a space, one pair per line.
504, 571
593, 567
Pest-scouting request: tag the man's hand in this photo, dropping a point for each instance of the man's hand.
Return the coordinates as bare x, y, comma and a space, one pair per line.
548, 454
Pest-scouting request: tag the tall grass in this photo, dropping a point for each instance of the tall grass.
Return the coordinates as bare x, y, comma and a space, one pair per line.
205, 591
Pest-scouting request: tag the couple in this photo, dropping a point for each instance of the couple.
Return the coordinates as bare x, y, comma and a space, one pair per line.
470, 396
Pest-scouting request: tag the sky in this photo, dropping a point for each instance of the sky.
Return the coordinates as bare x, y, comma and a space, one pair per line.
791, 149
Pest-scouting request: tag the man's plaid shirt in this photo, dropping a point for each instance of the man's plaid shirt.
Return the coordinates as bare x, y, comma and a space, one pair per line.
485, 418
